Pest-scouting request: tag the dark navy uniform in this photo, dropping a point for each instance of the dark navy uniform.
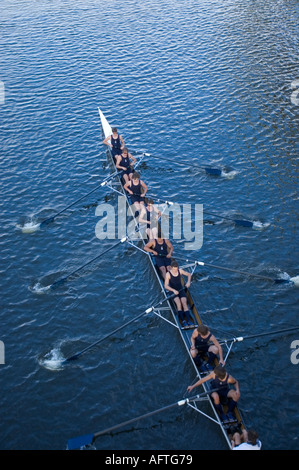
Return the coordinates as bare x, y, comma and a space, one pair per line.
222, 385
176, 283
202, 344
116, 145
125, 162
161, 249
136, 189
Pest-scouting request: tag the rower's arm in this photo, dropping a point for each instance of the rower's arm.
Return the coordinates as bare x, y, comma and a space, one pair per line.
117, 164
201, 381
169, 245
142, 220
218, 346
188, 275
193, 338
132, 158
127, 187
144, 187
105, 141
234, 382
148, 247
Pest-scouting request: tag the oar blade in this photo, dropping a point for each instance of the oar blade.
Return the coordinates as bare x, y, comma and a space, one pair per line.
213, 171
281, 281
243, 223
76, 443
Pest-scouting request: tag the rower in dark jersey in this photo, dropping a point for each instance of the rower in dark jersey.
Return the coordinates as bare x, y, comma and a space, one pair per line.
204, 343
162, 249
115, 142
220, 380
149, 215
173, 283
137, 190
123, 162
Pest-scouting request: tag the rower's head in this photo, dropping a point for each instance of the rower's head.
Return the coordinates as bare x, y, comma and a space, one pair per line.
203, 330
125, 150
174, 266
150, 203
114, 130
252, 436
220, 372
136, 176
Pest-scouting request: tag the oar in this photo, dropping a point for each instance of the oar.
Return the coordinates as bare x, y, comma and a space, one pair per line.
209, 170
267, 333
87, 439
244, 273
148, 310
240, 222
64, 279
104, 182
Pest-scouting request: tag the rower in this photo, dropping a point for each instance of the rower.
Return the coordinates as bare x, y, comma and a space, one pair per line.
173, 283
116, 142
149, 215
123, 163
204, 343
134, 188
221, 379
162, 249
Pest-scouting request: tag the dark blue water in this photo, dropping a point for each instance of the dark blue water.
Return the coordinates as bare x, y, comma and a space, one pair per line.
206, 82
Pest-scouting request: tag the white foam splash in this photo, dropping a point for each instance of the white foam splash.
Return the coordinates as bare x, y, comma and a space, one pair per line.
260, 225
229, 174
295, 280
53, 360
29, 227
39, 289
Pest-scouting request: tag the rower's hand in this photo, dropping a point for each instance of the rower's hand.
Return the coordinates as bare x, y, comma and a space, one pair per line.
168, 256
176, 292
155, 253
188, 285
190, 388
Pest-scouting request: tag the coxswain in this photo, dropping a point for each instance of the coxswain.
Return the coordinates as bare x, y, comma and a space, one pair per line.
204, 343
173, 283
134, 188
162, 249
149, 215
248, 440
220, 380
123, 162
115, 142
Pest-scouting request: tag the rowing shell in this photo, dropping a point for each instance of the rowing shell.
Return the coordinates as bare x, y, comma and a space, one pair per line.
170, 308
